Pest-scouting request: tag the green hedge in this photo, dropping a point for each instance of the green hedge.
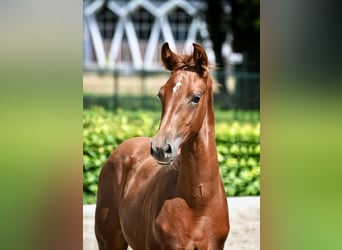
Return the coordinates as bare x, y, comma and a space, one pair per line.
237, 144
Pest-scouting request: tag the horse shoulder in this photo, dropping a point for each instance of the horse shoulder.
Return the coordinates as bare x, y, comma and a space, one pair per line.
130, 151
119, 166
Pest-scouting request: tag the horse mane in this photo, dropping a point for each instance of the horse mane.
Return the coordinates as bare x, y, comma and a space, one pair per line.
186, 62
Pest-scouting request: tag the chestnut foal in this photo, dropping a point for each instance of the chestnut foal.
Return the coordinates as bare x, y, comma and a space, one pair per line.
166, 192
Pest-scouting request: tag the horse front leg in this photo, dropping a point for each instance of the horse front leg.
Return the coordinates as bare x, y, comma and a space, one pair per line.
107, 228
107, 224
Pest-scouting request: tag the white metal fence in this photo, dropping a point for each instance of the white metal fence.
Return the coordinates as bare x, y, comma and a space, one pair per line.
126, 36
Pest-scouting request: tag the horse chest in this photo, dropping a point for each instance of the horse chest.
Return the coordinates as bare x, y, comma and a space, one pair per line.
177, 227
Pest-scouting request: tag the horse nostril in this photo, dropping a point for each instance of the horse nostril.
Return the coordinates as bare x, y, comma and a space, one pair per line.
152, 149
160, 152
168, 149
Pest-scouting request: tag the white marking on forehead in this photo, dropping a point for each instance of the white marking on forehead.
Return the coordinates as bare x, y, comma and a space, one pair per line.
176, 87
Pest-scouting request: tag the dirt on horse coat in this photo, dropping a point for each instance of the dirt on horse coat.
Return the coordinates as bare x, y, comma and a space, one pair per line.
165, 192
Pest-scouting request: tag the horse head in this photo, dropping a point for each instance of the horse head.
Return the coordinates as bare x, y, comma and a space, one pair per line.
185, 98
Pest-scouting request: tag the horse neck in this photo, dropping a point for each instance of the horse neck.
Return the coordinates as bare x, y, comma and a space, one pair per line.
198, 178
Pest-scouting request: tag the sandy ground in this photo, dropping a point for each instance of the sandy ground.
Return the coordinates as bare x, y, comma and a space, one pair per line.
131, 84
126, 84
244, 215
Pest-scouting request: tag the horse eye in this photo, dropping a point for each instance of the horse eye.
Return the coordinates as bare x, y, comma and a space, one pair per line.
195, 99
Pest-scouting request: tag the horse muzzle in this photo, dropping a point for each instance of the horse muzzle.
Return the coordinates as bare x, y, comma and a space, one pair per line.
163, 153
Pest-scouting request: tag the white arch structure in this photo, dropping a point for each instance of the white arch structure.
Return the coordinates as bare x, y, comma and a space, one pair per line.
161, 28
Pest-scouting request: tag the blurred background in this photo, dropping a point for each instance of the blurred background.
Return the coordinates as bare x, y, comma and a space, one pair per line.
122, 73
122, 41
41, 49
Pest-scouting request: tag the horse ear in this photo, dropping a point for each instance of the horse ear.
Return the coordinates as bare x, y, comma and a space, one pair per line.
168, 57
200, 59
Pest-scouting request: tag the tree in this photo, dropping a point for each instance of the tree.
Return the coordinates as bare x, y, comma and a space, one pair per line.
244, 23
245, 26
218, 26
